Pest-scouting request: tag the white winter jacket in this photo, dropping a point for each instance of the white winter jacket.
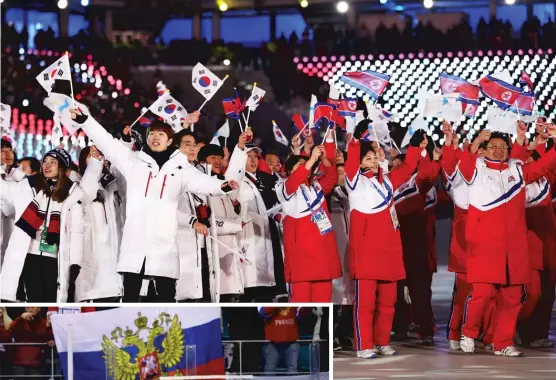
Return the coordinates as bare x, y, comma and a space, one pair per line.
70, 250
255, 237
151, 227
98, 277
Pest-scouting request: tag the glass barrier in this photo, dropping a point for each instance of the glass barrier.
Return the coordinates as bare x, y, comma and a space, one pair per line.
255, 358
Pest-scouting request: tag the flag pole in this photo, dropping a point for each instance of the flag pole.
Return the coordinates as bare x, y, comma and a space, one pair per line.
302, 129
249, 110
71, 81
335, 139
140, 116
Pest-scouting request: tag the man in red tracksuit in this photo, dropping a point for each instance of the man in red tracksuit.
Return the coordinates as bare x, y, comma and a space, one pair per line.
280, 328
497, 260
410, 206
30, 327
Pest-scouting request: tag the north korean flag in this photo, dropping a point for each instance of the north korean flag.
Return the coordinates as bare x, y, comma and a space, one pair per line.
524, 104
232, 107
370, 82
468, 93
298, 122
339, 120
346, 107
525, 79
324, 112
500, 92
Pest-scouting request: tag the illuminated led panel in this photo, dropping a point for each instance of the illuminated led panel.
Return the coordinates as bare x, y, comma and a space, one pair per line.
412, 72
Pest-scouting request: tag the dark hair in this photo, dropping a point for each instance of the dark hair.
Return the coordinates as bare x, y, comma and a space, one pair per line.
62, 189
5, 143
271, 153
366, 147
33, 163
158, 125
83, 159
400, 157
181, 134
499, 135
292, 161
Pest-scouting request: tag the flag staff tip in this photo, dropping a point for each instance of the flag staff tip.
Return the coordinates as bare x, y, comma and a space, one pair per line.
273, 122
227, 76
255, 84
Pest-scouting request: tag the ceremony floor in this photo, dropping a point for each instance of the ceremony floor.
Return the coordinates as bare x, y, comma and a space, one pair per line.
437, 362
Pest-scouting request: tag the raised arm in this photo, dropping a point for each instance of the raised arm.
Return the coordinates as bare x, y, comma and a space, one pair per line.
330, 177
236, 167
468, 161
537, 169
113, 149
401, 175
301, 174
352, 163
90, 181
194, 181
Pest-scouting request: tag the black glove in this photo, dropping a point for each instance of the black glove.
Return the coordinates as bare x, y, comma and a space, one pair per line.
417, 138
74, 273
361, 127
80, 119
126, 138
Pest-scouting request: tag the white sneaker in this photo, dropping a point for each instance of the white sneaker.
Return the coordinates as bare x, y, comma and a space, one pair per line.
489, 347
454, 345
467, 344
385, 350
366, 354
508, 351
541, 343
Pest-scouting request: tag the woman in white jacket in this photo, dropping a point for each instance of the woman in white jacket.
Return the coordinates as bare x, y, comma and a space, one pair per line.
225, 262
99, 280
46, 246
156, 177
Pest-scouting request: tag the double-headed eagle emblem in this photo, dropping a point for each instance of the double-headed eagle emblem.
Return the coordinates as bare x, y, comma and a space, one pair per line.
120, 363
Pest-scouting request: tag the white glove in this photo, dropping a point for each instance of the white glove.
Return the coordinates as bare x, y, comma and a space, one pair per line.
317, 311
406, 296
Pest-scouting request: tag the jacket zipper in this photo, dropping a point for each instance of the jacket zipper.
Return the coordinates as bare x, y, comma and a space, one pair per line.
148, 182
163, 185
46, 220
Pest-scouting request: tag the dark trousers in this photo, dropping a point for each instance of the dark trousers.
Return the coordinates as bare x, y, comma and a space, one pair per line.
419, 285
165, 288
40, 278
27, 372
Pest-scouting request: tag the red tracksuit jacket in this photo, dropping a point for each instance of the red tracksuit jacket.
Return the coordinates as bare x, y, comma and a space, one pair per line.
410, 206
458, 190
375, 249
496, 226
34, 331
308, 255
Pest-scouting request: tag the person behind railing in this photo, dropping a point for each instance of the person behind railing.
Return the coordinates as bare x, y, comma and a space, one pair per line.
30, 327
280, 329
5, 322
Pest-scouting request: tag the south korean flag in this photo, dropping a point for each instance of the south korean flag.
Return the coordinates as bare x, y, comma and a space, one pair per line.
59, 70
170, 110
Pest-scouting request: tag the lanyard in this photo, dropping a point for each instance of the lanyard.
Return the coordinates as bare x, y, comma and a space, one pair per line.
379, 191
309, 205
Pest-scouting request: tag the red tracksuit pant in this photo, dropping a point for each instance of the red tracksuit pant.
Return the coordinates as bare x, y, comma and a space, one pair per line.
373, 312
481, 297
536, 326
311, 291
459, 295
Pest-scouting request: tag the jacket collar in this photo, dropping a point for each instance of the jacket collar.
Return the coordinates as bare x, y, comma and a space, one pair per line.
369, 174
496, 165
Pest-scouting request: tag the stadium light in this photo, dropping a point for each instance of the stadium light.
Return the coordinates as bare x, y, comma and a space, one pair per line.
383, 1
303, 3
222, 5
62, 4
510, 2
84, 3
342, 6
428, 4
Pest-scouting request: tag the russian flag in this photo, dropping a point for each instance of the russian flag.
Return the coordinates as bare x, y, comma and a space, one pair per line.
113, 341
324, 112
500, 92
232, 107
370, 82
524, 104
468, 93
